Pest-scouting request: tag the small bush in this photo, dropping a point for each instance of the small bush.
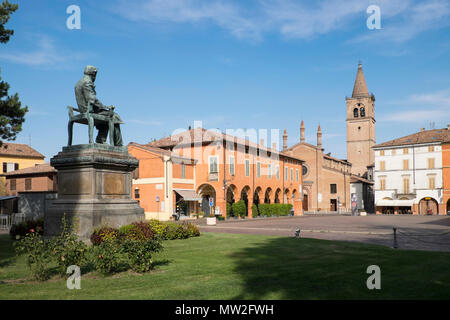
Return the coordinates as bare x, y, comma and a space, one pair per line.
139, 231
255, 212
229, 210
158, 228
176, 231
107, 257
239, 208
67, 249
104, 234
20, 230
38, 254
139, 253
191, 229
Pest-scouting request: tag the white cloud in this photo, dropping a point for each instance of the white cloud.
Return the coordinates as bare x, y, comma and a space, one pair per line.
46, 54
222, 13
433, 106
402, 20
410, 21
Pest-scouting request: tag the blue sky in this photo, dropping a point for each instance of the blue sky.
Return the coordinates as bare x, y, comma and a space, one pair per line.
262, 64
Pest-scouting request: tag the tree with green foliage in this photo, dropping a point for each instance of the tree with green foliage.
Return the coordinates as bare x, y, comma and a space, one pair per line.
12, 115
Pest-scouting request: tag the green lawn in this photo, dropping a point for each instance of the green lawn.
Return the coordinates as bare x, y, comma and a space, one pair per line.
233, 266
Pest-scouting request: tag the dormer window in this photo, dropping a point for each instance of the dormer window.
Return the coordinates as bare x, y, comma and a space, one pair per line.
355, 112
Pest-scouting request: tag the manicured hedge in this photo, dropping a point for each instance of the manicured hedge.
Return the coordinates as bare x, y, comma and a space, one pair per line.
274, 209
255, 211
239, 208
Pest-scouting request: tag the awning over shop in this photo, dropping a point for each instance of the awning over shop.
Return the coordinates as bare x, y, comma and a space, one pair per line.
188, 195
8, 197
394, 203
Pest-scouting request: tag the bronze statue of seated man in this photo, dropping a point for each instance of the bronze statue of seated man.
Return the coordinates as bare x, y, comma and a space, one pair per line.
88, 102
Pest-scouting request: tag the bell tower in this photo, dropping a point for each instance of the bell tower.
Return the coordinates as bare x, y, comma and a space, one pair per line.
360, 125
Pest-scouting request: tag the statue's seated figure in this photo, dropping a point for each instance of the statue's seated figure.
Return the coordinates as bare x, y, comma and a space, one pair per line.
88, 102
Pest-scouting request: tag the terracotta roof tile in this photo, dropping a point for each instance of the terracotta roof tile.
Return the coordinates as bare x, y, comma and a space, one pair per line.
426, 136
40, 168
19, 150
208, 136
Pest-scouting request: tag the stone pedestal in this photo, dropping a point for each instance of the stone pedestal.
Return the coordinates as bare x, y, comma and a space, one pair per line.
94, 189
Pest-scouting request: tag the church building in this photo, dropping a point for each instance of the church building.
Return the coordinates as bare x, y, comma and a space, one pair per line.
335, 185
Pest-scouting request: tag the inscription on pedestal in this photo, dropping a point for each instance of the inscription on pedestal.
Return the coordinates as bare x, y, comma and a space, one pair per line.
113, 184
75, 183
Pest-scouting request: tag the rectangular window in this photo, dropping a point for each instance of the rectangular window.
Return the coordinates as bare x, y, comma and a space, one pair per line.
278, 172
381, 152
213, 167
405, 151
258, 169
28, 184
405, 164
183, 171
5, 167
333, 188
393, 152
13, 185
382, 165
232, 166
431, 163
296, 175
430, 148
405, 185
247, 168
432, 182
292, 174
136, 193
269, 169
382, 184
286, 173
16, 166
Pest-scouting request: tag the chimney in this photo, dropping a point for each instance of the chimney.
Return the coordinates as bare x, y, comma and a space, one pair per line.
302, 132
319, 138
284, 140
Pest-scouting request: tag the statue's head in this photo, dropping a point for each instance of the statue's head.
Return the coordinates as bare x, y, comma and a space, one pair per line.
91, 71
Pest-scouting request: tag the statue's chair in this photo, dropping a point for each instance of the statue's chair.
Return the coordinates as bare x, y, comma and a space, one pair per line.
91, 119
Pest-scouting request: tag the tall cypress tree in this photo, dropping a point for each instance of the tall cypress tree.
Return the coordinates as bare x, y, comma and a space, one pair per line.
12, 115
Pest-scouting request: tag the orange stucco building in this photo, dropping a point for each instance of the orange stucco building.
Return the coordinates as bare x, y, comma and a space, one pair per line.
203, 170
446, 174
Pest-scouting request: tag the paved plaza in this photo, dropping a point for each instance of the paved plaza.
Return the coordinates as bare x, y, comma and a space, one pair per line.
413, 232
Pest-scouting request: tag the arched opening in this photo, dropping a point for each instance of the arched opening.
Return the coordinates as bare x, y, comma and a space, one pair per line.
294, 196
207, 192
428, 206
231, 190
256, 195
355, 113
448, 207
267, 195
287, 196
244, 196
277, 195
305, 201
362, 112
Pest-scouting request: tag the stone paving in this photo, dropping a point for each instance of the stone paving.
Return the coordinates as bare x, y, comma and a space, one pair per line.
413, 232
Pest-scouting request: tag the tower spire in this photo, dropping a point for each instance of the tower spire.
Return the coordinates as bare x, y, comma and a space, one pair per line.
360, 87
302, 132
